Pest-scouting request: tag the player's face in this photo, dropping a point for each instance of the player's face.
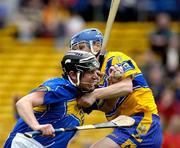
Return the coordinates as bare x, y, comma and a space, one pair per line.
84, 46
90, 80
96, 46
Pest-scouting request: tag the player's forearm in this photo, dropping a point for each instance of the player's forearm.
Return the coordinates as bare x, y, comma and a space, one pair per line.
25, 110
121, 88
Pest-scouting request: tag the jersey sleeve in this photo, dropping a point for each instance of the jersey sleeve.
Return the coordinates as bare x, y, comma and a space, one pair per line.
127, 64
53, 94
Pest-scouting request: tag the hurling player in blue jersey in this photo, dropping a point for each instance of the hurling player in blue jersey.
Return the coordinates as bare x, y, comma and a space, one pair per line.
124, 91
53, 104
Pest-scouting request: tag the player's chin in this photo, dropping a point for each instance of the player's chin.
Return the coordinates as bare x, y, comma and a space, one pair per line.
91, 88
95, 84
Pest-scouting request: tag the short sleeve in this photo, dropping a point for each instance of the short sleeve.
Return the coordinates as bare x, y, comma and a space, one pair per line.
53, 94
56, 95
126, 63
129, 69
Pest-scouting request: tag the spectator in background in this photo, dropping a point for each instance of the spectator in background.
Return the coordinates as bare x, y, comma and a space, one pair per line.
168, 105
149, 62
54, 16
83, 8
97, 9
172, 134
3, 14
7, 10
159, 38
153, 7
28, 19
54, 20
173, 56
176, 85
128, 10
74, 24
156, 79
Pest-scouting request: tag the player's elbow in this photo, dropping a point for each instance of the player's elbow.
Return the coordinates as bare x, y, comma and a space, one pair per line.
19, 103
22, 104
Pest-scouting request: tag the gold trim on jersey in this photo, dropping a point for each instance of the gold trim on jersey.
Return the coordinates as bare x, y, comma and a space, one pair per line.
41, 108
41, 88
128, 144
141, 100
143, 126
142, 129
75, 110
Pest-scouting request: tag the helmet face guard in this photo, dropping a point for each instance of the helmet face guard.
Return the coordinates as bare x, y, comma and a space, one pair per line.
92, 64
89, 37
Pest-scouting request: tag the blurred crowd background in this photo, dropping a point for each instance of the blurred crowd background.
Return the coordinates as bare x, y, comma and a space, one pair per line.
35, 33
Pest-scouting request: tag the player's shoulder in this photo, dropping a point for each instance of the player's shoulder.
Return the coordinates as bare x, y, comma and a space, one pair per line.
120, 56
115, 53
54, 82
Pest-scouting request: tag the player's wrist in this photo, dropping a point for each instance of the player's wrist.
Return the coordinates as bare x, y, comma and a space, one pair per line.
96, 94
35, 126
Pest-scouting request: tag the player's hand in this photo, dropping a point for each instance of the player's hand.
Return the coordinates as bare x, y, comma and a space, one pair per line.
86, 100
46, 129
115, 74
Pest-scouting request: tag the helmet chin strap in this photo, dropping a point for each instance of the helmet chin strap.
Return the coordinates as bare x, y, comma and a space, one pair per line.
78, 83
78, 79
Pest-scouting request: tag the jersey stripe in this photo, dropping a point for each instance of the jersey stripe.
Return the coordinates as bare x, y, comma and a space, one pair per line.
139, 81
118, 103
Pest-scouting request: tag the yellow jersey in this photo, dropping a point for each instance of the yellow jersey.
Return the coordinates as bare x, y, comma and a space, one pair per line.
140, 100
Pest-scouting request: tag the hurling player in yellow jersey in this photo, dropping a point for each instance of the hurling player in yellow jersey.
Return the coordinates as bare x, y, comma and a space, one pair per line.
123, 91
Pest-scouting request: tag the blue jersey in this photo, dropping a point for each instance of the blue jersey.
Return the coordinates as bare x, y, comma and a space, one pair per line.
59, 109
